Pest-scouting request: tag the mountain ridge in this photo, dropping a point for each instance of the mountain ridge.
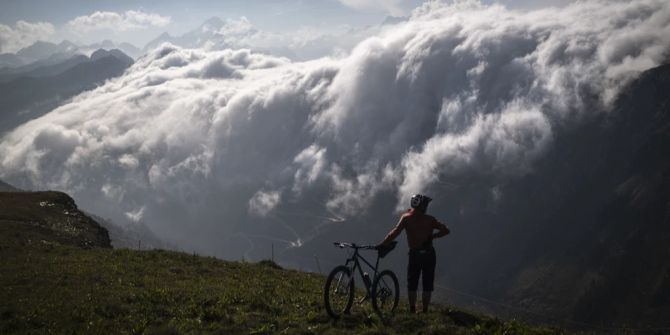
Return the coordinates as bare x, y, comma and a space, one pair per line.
49, 217
51, 253
586, 232
24, 98
42, 53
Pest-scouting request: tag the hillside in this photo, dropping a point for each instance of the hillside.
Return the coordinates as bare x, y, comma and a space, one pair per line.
57, 278
586, 233
50, 218
4, 187
583, 237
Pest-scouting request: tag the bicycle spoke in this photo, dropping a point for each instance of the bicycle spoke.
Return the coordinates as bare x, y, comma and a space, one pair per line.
338, 292
386, 294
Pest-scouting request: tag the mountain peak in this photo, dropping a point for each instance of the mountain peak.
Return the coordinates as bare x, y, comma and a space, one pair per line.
42, 50
116, 53
66, 44
214, 21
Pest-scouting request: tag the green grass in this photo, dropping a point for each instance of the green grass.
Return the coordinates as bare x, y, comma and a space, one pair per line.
51, 283
51, 288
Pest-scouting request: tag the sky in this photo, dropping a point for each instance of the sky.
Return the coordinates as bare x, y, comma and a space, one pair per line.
138, 22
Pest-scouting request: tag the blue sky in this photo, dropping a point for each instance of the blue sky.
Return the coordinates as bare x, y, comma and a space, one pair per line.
269, 15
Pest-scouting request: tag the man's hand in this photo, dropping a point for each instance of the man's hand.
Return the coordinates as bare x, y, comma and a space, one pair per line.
442, 231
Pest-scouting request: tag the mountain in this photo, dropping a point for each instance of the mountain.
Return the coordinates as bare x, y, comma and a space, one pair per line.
208, 33
39, 51
47, 218
42, 54
41, 68
28, 97
303, 44
42, 50
218, 34
31, 65
583, 239
162, 38
115, 53
10, 60
4, 187
586, 235
61, 276
127, 48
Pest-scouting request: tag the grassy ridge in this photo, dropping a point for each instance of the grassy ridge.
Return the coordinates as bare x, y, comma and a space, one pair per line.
66, 289
59, 275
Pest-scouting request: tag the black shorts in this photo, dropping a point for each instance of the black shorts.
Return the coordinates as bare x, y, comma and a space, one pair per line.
421, 264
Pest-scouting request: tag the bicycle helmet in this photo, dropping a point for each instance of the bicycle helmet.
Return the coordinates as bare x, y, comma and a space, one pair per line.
419, 200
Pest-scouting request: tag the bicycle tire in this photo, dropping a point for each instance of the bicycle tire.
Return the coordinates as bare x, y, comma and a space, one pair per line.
342, 278
385, 294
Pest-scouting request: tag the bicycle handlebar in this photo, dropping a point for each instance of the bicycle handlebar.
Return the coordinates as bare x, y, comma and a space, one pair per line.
343, 245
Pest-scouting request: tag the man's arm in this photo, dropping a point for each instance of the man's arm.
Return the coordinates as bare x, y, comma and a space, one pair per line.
442, 229
394, 232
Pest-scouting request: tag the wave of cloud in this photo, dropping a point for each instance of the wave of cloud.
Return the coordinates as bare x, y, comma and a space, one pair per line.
190, 139
24, 34
120, 22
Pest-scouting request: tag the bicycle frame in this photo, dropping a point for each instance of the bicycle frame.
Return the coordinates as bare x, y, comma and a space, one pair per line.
357, 265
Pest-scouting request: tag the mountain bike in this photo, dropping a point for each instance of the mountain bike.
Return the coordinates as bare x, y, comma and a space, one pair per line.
383, 288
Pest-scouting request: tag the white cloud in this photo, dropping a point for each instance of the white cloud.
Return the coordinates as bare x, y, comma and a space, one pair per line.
136, 215
392, 7
192, 135
24, 34
311, 162
120, 22
305, 43
263, 202
239, 27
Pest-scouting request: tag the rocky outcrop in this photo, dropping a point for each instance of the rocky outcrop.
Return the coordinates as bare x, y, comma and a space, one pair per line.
48, 217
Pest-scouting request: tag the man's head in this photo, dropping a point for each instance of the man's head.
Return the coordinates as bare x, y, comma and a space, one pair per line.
419, 202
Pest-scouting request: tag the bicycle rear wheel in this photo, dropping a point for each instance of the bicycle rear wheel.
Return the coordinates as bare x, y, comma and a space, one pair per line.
385, 294
338, 294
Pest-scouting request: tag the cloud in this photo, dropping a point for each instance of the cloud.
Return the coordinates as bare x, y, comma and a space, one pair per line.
239, 27
263, 202
24, 34
311, 162
136, 215
302, 44
392, 7
200, 139
120, 22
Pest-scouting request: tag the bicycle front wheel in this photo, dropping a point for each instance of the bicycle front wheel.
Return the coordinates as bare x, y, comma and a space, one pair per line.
385, 294
338, 294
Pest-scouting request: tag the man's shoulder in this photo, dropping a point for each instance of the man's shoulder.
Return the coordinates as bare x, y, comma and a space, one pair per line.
416, 215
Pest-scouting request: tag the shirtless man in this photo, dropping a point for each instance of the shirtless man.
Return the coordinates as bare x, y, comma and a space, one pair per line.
420, 229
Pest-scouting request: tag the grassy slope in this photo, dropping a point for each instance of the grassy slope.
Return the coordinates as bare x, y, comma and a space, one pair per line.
50, 285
